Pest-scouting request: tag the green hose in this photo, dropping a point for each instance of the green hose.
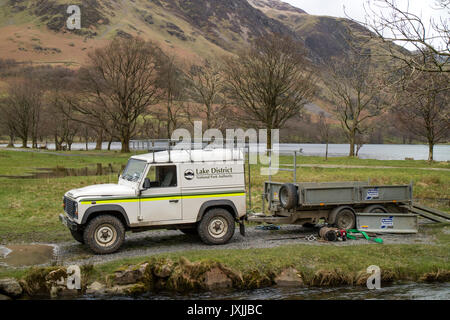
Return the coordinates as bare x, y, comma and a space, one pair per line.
349, 236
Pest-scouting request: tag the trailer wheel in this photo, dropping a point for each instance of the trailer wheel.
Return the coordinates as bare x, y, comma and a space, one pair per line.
77, 235
345, 219
375, 209
288, 196
216, 227
104, 234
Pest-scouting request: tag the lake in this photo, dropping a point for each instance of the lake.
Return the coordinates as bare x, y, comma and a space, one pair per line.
368, 151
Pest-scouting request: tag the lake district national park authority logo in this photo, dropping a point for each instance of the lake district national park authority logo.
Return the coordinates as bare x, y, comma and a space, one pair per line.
189, 174
208, 173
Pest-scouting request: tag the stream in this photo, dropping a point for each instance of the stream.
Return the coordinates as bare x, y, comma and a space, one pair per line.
399, 291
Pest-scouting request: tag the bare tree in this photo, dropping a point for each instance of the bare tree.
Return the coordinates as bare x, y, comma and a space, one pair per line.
356, 91
423, 107
271, 81
207, 88
118, 86
22, 108
56, 123
324, 131
171, 81
396, 25
7, 121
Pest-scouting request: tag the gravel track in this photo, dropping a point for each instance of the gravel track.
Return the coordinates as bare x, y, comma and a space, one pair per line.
165, 241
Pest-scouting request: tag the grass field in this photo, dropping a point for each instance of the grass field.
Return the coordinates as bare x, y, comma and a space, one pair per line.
29, 211
29, 208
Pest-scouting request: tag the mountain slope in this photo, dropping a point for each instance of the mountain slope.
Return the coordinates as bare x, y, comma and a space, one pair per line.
35, 30
324, 36
189, 28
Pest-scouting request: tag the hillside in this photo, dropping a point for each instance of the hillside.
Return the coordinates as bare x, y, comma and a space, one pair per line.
35, 30
190, 29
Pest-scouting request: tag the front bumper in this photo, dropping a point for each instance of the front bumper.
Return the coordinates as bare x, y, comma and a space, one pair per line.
69, 224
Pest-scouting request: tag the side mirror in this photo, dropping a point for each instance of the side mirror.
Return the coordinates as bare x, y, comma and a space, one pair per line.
147, 183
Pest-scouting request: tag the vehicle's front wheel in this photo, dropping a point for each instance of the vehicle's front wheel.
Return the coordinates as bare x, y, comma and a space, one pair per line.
216, 227
104, 234
78, 235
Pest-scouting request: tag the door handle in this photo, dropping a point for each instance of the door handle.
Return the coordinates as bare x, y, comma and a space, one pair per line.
173, 201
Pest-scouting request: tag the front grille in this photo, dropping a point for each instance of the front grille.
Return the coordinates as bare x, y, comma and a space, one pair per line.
70, 207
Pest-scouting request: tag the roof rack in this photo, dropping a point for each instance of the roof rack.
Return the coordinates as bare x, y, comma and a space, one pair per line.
170, 145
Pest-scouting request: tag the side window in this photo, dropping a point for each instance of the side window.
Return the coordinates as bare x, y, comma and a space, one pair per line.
162, 176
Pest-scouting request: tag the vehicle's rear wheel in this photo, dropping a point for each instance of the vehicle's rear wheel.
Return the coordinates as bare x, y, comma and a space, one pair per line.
104, 234
216, 227
78, 235
375, 209
345, 219
190, 231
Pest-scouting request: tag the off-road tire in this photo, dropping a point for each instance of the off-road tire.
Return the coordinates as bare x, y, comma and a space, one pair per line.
345, 219
109, 226
216, 227
78, 235
190, 231
288, 196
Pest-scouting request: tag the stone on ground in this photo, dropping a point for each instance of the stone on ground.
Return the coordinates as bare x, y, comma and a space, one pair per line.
10, 287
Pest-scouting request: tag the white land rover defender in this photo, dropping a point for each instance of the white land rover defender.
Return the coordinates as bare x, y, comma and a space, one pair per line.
196, 191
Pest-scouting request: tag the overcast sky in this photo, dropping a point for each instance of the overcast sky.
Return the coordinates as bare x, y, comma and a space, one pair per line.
355, 8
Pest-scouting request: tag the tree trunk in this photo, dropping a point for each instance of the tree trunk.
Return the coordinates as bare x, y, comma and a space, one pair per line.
56, 143
109, 144
125, 140
11, 141
352, 144
86, 138
326, 152
430, 150
24, 143
98, 146
269, 139
34, 144
125, 145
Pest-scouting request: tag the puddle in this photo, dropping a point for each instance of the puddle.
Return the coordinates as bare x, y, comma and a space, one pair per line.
26, 255
61, 172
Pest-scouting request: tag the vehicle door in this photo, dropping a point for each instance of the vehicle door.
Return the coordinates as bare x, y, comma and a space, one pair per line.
161, 198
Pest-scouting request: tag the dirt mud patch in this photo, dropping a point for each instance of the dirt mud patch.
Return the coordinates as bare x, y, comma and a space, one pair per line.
26, 255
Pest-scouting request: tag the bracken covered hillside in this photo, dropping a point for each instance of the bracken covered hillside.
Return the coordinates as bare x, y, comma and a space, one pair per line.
35, 30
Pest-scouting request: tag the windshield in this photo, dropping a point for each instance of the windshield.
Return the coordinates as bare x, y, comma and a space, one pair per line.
134, 170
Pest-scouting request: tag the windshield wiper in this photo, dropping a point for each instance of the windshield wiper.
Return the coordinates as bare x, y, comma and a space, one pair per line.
126, 177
